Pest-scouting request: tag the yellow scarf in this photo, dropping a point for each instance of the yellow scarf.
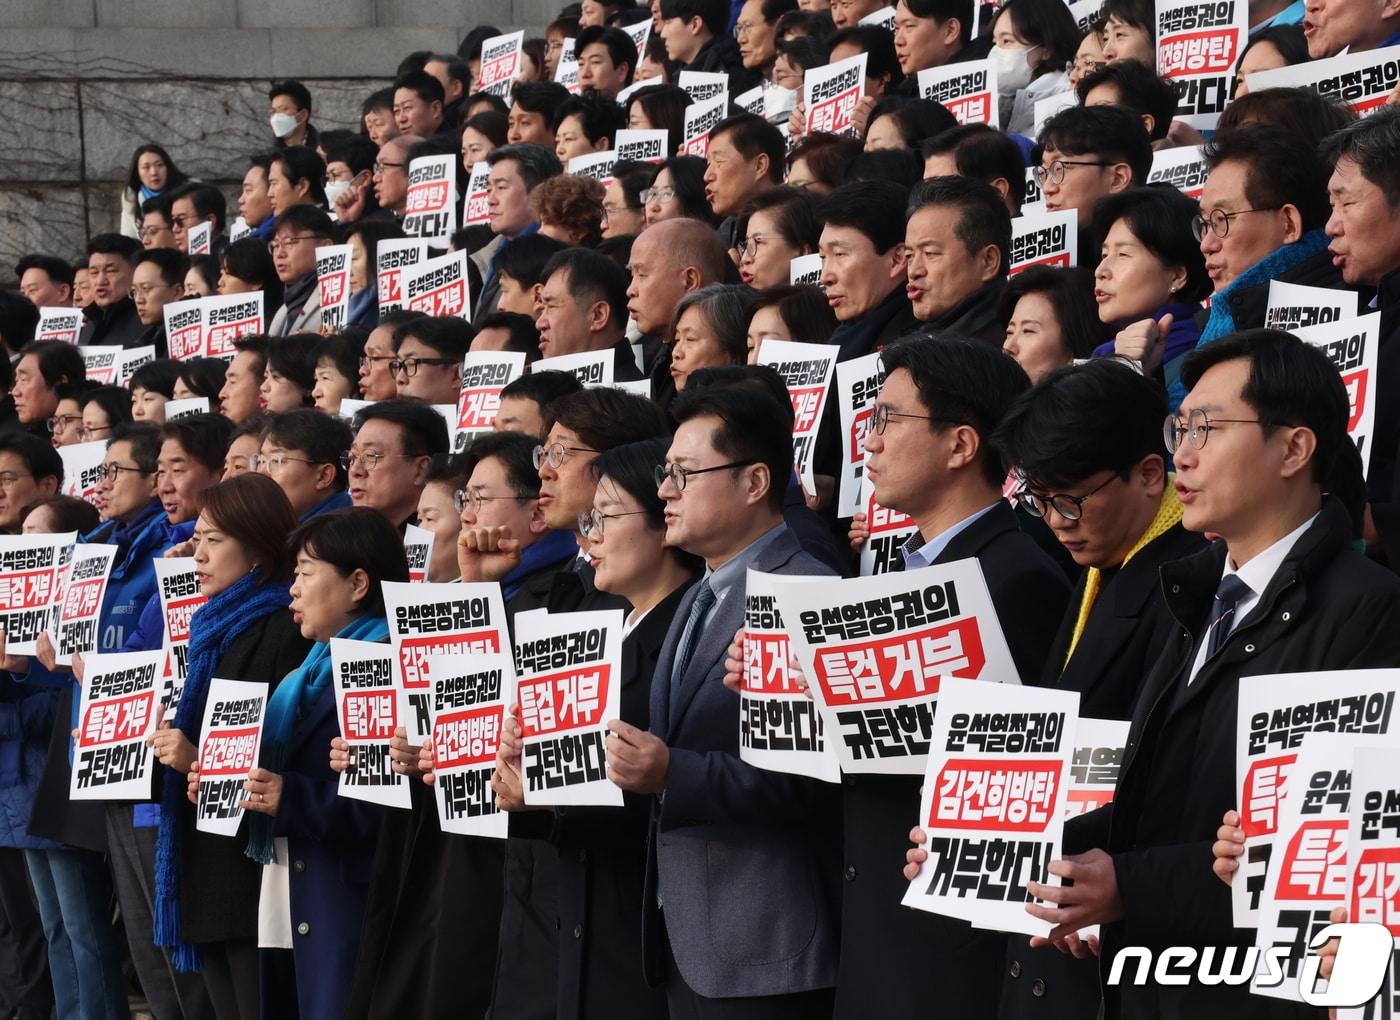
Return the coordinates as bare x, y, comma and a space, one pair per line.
1168, 514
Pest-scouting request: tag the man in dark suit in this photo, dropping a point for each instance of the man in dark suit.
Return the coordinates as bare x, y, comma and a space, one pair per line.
740, 912
1260, 434
929, 455
1107, 496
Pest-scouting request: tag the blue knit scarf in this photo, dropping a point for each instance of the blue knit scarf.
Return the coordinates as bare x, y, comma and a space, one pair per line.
1222, 319
213, 627
293, 700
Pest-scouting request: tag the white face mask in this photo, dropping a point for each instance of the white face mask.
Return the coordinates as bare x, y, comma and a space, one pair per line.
334, 189
283, 124
1013, 67
778, 100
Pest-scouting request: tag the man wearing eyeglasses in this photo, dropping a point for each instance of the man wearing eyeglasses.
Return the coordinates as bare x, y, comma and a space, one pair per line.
1258, 440
157, 280
111, 318
299, 232
387, 465
1108, 497
1086, 152
585, 309
741, 878
391, 174
301, 451
929, 454
428, 355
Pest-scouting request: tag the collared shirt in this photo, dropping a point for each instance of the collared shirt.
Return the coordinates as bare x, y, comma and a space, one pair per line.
919, 553
732, 572
1258, 573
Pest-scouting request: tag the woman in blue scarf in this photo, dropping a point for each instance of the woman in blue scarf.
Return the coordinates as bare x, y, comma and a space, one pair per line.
341, 559
206, 887
152, 174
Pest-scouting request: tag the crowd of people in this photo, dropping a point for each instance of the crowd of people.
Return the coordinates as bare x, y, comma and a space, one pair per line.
1019, 423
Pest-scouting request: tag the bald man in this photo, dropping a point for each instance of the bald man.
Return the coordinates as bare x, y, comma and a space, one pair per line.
391, 174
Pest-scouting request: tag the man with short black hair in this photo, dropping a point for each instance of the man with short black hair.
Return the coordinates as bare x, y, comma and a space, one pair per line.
745, 157
456, 79
418, 103
157, 280
1086, 152
956, 245
723, 484
585, 309
111, 318
290, 113
516, 170
253, 203
981, 153
1134, 86
508, 331
428, 355
395, 442
929, 454
30, 470
43, 365
193, 203
523, 401
607, 60
694, 32
299, 232
862, 250
301, 451
532, 106
45, 280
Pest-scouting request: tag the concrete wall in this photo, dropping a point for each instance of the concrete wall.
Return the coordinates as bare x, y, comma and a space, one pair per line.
84, 82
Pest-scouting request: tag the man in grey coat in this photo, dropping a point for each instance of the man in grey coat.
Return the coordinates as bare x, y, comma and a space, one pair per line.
742, 890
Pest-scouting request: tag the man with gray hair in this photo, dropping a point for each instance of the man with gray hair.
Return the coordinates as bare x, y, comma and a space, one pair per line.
1365, 194
516, 170
391, 174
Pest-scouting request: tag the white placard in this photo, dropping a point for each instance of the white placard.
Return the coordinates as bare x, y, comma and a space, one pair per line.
1296, 306
367, 705
228, 751
59, 323
857, 384
500, 63
967, 89
1044, 239
226, 318
591, 368
807, 370
31, 568
394, 255
831, 93
177, 409
700, 119
438, 286
101, 363
641, 146
116, 716
333, 284
484, 375
418, 548
430, 212
1198, 45
1353, 345
1364, 81
470, 695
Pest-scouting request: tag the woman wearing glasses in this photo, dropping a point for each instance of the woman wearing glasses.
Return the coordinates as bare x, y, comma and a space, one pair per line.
602, 851
776, 226
66, 425
103, 409
1151, 277
678, 191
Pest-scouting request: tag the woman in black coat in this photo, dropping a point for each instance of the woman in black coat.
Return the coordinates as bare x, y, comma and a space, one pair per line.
207, 887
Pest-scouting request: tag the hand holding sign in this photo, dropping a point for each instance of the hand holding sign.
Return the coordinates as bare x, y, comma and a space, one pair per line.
340, 755
192, 791
1092, 898
1144, 341
171, 746
860, 530
264, 791
47, 654
12, 663
508, 787
637, 760
487, 554
1228, 847
734, 662
405, 755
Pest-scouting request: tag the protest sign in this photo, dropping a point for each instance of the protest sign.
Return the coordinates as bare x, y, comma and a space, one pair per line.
591, 368
430, 211
598, 165
1363, 81
806, 369
1353, 345
1099, 746
1373, 863
82, 464
1184, 168
641, 146
993, 802
700, 119
875, 651
394, 255
568, 688
883, 18
80, 601
703, 85
1044, 239
484, 375
1086, 13
367, 705
566, 74
805, 269
427, 619
1275, 712
238, 229
751, 101
131, 359
226, 317
1296, 306
177, 587
30, 579
101, 363
184, 329
857, 384
199, 238
888, 531
438, 286
640, 33
59, 323
477, 209
418, 548
830, 95
500, 63
780, 728
1198, 44
470, 695
641, 387
177, 409
333, 284
116, 715
232, 736
968, 90
1032, 199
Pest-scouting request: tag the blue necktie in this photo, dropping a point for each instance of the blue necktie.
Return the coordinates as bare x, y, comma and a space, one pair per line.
690, 637
1222, 612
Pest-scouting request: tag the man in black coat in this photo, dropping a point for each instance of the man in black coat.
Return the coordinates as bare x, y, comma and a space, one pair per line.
929, 455
1107, 496
1261, 431
111, 318
957, 244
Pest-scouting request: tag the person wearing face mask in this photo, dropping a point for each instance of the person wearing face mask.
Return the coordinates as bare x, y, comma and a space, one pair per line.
350, 179
1032, 41
290, 115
